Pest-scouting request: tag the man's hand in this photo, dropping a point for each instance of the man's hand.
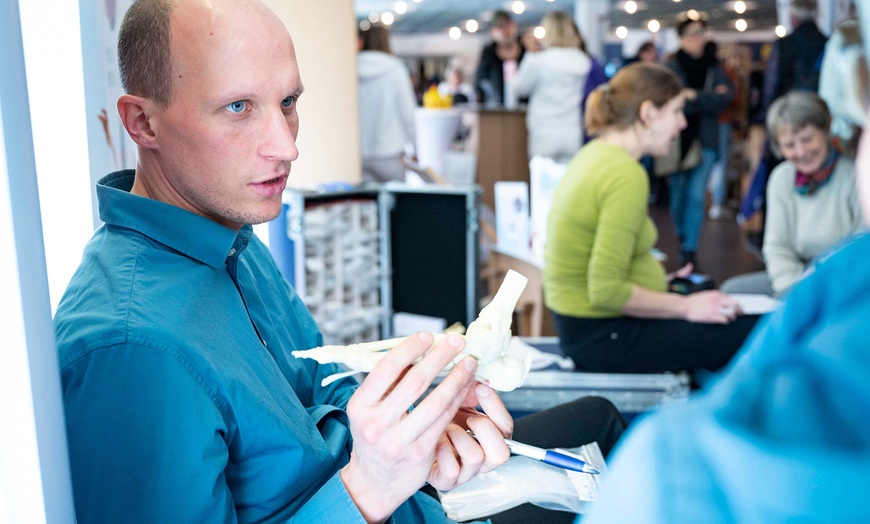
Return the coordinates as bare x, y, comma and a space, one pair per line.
460, 456
394, 450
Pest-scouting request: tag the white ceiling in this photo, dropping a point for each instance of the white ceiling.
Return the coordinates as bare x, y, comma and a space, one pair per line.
430, 16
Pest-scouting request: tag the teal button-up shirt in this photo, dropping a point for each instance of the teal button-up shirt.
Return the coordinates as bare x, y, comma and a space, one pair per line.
182, 401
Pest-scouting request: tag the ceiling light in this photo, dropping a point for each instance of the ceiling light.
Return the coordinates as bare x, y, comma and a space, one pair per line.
654, 25
630, 7
400, 7
417, 1
621, 32
741, 25
387, 18
374, 17
455, 33
472, 26
740, 7
780, 31
539, 32
365, 25
518, 7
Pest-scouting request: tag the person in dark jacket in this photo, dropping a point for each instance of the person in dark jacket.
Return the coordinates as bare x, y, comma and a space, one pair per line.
708, 93
499, 60
796, 60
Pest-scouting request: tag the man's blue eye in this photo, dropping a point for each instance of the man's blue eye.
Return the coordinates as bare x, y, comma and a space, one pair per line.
288, 102
235, 107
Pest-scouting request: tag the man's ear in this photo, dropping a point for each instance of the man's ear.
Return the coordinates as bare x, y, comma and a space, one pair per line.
136, 113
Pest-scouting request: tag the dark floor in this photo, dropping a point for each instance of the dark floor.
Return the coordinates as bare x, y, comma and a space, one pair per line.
721, 252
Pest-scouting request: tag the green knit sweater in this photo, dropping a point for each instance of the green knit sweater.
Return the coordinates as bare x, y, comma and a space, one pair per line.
599, 235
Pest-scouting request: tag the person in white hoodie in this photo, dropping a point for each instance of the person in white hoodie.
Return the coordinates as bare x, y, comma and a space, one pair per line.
553, 79
386, 107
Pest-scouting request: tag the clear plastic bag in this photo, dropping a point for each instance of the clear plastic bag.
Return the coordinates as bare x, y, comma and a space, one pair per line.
521, 480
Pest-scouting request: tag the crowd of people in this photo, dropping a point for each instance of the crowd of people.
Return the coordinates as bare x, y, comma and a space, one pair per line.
183, 402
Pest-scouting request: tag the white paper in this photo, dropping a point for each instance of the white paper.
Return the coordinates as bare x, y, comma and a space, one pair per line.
756, 304
512, 215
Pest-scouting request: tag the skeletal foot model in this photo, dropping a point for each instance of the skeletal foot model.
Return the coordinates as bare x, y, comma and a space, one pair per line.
487, 340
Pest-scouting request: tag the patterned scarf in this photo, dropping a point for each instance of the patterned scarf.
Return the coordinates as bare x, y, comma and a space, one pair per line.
809, 183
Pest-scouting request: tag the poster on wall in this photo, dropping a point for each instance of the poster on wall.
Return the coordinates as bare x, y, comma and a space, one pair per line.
120, 148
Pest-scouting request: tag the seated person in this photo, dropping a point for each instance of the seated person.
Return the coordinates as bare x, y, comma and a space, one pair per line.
607, 292
811, 199
182, 400
783, 435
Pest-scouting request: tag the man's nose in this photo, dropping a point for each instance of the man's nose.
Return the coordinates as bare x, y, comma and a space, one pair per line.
279, 140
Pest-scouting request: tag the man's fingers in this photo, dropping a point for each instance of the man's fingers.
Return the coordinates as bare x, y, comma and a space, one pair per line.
418, 379
491, 441
391, 368
491, 404
432, 415
470, 454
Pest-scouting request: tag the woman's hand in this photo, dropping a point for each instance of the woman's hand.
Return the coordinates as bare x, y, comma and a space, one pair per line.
683, 272
711, 307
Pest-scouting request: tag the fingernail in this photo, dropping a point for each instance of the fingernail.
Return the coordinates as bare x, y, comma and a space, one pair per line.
470, 364
425, 337
482, 391
455, 340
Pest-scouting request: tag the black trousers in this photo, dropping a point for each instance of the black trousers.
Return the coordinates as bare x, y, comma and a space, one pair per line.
569, 425
640, 345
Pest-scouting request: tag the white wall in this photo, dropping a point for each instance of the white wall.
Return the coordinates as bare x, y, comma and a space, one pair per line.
324, 34
53, 58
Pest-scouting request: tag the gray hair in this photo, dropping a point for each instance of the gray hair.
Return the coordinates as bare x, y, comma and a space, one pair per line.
804, 10
797, 110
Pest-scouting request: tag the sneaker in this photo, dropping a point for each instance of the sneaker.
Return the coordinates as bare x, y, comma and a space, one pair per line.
717, 212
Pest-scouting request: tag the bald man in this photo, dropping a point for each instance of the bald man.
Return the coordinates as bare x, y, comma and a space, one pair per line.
183, 403
182, 400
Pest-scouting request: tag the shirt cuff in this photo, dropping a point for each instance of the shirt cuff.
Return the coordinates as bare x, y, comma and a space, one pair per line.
332, 503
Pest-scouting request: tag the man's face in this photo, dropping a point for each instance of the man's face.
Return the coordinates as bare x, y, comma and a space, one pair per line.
504, 31
694, 38
228, 135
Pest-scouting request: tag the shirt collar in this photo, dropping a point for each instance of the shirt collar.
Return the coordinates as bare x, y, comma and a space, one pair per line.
193, 235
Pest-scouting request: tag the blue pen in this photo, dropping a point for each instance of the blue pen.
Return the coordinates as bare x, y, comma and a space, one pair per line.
553, 458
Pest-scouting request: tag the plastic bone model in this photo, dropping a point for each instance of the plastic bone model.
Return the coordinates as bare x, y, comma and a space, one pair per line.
487, 340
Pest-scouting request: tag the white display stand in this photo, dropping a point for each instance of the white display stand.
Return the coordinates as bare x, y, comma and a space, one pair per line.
435, 130
545, 175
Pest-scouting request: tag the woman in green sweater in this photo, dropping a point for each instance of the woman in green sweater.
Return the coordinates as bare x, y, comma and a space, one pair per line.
607, 292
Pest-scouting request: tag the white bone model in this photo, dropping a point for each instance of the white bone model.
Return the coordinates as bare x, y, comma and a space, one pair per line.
487, 340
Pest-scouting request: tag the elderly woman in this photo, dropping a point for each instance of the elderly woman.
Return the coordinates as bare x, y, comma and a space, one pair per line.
811, 199
553, 80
